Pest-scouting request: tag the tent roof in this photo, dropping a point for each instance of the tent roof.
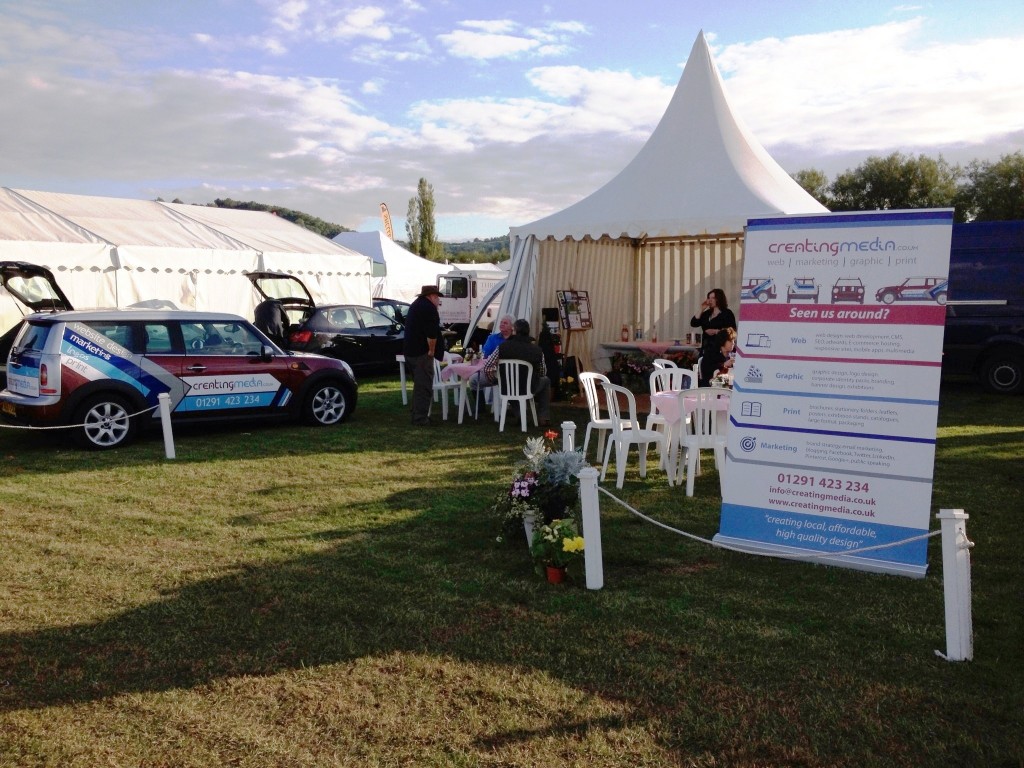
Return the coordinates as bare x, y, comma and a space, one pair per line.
407, 272
701, 172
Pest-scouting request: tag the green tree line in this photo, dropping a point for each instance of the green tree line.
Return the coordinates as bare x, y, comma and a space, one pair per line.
978, 191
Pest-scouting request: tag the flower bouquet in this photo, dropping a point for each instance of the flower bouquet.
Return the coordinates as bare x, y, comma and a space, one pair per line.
544, 487
555, 545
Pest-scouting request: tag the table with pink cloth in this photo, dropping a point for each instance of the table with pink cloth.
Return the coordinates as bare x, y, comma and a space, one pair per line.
464, 372
667, 405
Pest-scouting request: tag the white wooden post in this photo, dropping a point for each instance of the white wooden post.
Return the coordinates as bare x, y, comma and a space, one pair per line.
590, 507
165, 421
401, 378
956, 582
568, 435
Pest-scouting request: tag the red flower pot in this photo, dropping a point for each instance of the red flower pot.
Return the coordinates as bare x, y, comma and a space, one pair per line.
555, 574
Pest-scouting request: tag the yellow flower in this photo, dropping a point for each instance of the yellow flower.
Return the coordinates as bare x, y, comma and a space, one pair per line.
573, 545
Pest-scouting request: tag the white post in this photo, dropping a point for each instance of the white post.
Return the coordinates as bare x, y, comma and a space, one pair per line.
568, 435
956, 581
165, 421
592, 558
401, 378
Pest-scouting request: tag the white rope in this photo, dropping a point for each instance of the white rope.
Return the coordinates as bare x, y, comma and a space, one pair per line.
72, 426
743, 550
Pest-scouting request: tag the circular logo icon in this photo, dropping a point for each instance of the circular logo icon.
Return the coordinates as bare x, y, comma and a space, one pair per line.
748, 444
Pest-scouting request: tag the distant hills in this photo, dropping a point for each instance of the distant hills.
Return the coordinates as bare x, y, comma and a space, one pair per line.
492, 249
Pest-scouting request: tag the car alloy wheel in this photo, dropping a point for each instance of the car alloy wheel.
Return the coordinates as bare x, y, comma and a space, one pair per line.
327, 405
105, 423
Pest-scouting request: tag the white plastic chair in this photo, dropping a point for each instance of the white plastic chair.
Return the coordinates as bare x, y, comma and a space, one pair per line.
626, 432
592, 390
442, 388
705, 435
667, 380
661, 362
515, 383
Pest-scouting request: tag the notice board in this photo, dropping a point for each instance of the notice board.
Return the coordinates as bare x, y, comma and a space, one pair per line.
574, 310
832, 422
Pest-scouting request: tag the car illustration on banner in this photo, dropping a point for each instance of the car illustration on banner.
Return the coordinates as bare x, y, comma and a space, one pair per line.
760, 288
915, 289
802, 289
848, 289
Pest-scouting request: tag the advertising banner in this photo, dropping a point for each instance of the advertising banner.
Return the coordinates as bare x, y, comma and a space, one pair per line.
832, 421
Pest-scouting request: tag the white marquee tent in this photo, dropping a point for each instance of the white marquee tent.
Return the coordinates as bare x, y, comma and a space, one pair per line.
111, 252
668, 228
405, 273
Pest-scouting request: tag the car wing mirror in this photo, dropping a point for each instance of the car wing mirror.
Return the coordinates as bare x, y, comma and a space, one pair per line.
266, 353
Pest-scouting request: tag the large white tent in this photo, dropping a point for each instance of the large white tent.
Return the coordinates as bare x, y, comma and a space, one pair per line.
113, 252
666, 229
405, 273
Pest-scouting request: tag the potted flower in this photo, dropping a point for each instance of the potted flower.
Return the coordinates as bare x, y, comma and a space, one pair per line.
544, 487
554, 546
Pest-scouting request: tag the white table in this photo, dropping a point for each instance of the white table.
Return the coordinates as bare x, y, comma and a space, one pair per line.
674, 406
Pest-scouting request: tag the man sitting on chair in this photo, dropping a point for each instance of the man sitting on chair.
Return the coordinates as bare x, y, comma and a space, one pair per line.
521, 347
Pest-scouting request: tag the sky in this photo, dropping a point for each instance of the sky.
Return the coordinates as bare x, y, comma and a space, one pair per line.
511, 111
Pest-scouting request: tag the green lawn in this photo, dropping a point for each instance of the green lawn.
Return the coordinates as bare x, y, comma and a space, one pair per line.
290, 596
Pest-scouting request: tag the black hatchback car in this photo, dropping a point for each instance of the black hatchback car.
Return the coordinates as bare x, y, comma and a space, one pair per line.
363, 337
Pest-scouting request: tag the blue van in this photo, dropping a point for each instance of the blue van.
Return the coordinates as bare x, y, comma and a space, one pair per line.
985, 307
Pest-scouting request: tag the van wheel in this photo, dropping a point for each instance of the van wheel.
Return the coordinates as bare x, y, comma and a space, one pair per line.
1003, 373
105, 423
325, 405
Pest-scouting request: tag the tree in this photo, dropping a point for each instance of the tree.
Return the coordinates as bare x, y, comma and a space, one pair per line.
896, 181
814, 183
993, 191
420, 226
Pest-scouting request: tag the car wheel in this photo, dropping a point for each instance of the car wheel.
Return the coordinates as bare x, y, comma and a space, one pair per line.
941, 298
762, 297
888, 298
105, 423
1003, 373
326, 404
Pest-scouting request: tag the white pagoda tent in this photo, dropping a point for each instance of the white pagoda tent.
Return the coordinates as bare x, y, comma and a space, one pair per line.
403, 273
669, 227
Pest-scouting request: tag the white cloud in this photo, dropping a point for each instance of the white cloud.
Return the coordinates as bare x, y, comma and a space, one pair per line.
502, 38
482, 45
288, 15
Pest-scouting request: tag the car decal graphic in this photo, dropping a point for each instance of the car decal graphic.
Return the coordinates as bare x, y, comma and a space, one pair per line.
205, 393
95, 357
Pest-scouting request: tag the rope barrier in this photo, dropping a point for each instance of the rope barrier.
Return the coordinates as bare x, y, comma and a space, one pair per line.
784, 555
72, 426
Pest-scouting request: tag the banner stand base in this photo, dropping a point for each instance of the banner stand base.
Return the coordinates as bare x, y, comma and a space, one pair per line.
815, 557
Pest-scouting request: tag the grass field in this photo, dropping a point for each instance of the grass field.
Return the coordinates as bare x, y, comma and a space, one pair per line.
290, 596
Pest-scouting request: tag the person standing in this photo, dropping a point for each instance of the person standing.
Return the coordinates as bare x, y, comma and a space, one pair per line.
521, 347
714, 317
423, 344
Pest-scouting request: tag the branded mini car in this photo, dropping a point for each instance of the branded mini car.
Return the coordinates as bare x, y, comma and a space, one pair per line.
802, 289
915, 289
760, 288
848, 289
100, 374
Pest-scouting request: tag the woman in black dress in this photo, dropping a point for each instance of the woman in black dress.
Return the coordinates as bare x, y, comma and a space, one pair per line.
715, 316
717, 358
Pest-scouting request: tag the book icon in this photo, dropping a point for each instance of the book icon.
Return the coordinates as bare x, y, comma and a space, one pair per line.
751, 408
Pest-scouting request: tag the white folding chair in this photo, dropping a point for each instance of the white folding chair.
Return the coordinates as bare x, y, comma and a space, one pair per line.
442, 388
625, 432
401, 378
515, 384
592, 390
661, 362
706, 434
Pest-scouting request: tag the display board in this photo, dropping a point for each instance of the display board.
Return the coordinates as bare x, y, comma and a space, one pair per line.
574, 310
832, 423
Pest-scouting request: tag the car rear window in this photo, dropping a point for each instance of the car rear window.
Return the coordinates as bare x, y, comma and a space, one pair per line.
33, 336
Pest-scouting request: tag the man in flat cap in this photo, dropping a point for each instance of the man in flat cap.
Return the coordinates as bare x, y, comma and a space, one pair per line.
423, 343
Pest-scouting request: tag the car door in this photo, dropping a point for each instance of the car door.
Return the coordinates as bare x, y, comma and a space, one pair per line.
383, 338
225, 374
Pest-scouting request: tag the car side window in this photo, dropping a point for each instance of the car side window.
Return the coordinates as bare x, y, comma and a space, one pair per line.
342, 317
120, 333
374, 321
219, 338
157, 339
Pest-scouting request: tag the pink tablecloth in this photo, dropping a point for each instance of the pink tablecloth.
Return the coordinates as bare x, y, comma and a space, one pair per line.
462, 370
666, 404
